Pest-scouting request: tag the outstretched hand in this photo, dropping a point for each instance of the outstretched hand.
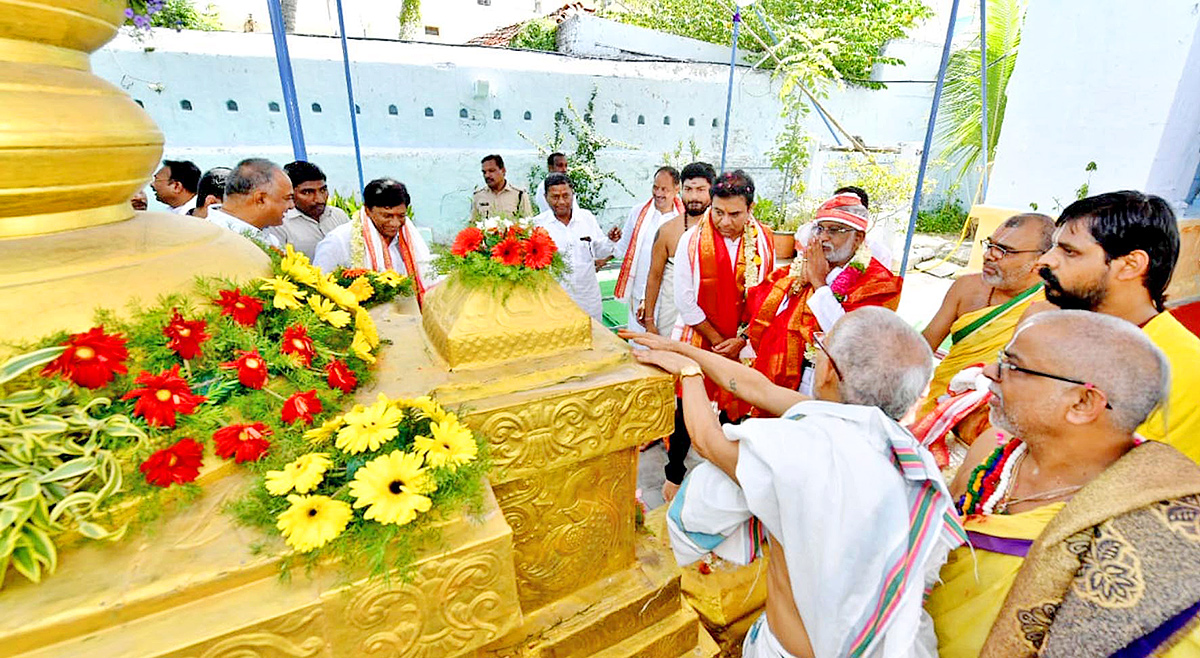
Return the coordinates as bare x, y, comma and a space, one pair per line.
669, 361
647, 339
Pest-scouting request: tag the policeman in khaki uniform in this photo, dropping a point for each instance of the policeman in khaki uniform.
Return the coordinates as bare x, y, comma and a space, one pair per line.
498, 197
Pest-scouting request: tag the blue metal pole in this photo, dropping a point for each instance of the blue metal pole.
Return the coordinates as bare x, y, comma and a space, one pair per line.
350, 95
983, 80
737, 22
284, 61
937, 98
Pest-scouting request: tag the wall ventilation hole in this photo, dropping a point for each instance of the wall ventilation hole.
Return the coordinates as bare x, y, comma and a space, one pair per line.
357, 109
714, 123
496, 115
666, 121
528, 115
273, 106
393, 110
231, 106
615, 119
692, 121
641, 119
429, 111
316, 108
462, 114
185, 105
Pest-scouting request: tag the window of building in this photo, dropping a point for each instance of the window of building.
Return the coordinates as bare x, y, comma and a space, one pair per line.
615, 119
393, 110
432, 31
528, 115
463, 114
231, 106
641, 119
185, 105
485, 3
666, 121
691, 121
273, 106
316, 108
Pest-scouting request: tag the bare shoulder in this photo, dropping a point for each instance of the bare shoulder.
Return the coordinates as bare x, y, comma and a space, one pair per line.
1035, 308
669, 233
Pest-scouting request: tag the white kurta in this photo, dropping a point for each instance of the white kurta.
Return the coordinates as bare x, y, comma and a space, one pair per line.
581, 243
334, 251
635, 290
185, 207
826, 482
689, 309
218, 216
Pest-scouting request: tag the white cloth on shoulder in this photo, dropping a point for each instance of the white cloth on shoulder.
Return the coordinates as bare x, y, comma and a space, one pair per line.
761, 642
842, 488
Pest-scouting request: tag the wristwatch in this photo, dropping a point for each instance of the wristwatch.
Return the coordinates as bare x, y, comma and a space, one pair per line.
690, 371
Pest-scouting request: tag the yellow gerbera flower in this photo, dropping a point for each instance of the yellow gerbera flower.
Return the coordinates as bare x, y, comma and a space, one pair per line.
296, 265
303, 474
451, 445
361, 347
367, 428
426, 406
364, 324
329, 287
312, 521
287, 294
319, 435
327, 312
391, 488
392, 278
361, 288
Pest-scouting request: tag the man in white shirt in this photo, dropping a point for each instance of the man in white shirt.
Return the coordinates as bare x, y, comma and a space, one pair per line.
211, 191
257, 194
579, 239
312, 218
380, 237
556, 163
637, 240
175, 185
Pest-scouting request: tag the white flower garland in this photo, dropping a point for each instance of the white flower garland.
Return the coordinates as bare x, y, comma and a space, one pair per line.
753, 274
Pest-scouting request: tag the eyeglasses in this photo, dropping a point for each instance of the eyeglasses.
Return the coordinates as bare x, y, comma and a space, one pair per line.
1003, 364
988, 245
831, 231
818, 340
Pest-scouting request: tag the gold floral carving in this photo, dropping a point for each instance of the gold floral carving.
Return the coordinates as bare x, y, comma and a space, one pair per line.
453, 604
529, 438
571, 525
298, 635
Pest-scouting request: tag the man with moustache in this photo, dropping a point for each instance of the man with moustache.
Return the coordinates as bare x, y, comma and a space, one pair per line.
637, 240
837, 274
981, 310
1085, 540
1114, 254
658, 313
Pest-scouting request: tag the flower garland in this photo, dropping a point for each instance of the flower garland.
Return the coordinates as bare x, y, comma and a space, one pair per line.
989, 481
371, 287
391, 464
248, 371
754, 264
494, 250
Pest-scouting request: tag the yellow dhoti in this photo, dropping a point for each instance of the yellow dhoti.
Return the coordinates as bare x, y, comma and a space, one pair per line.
976, 337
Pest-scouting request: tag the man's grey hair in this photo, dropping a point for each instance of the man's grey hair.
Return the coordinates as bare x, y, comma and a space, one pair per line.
249, 175
1043, 222
1113, 355
884, 362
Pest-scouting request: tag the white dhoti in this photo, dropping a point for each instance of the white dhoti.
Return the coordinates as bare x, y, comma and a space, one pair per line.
762, 643
665, 312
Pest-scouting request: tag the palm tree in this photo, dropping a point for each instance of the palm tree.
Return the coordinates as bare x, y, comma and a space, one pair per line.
959, 117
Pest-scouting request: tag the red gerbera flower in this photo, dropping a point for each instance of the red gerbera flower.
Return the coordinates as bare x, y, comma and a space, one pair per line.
507, 251
244, 309
175, 465
466, 241
353, 273
162, 396
339, 376
539, 250
301, 406
242, 443
251, 369
297, 343
91, 358
186, 335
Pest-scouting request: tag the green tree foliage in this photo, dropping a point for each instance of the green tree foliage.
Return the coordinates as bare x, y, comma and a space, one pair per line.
410, 18
539, 34
183, 15
861, 26
959, 131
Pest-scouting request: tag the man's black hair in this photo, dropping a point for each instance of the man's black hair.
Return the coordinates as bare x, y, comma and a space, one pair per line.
735, 183
699, 170
303, 172
386, 193
184, 172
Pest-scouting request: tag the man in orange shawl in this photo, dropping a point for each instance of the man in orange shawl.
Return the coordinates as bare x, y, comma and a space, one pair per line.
725, 254
835, 274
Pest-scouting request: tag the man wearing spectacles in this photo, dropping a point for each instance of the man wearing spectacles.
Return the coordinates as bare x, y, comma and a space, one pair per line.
981, 310
835, 274
1084, 538
1114, 253
857, 515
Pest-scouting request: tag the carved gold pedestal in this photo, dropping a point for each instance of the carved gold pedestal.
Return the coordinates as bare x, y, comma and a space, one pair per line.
565, 418
195, 587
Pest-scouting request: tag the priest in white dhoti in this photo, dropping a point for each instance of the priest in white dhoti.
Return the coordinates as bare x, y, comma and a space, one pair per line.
580, 241
257, 194
637, 241
857, 516
380, 237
